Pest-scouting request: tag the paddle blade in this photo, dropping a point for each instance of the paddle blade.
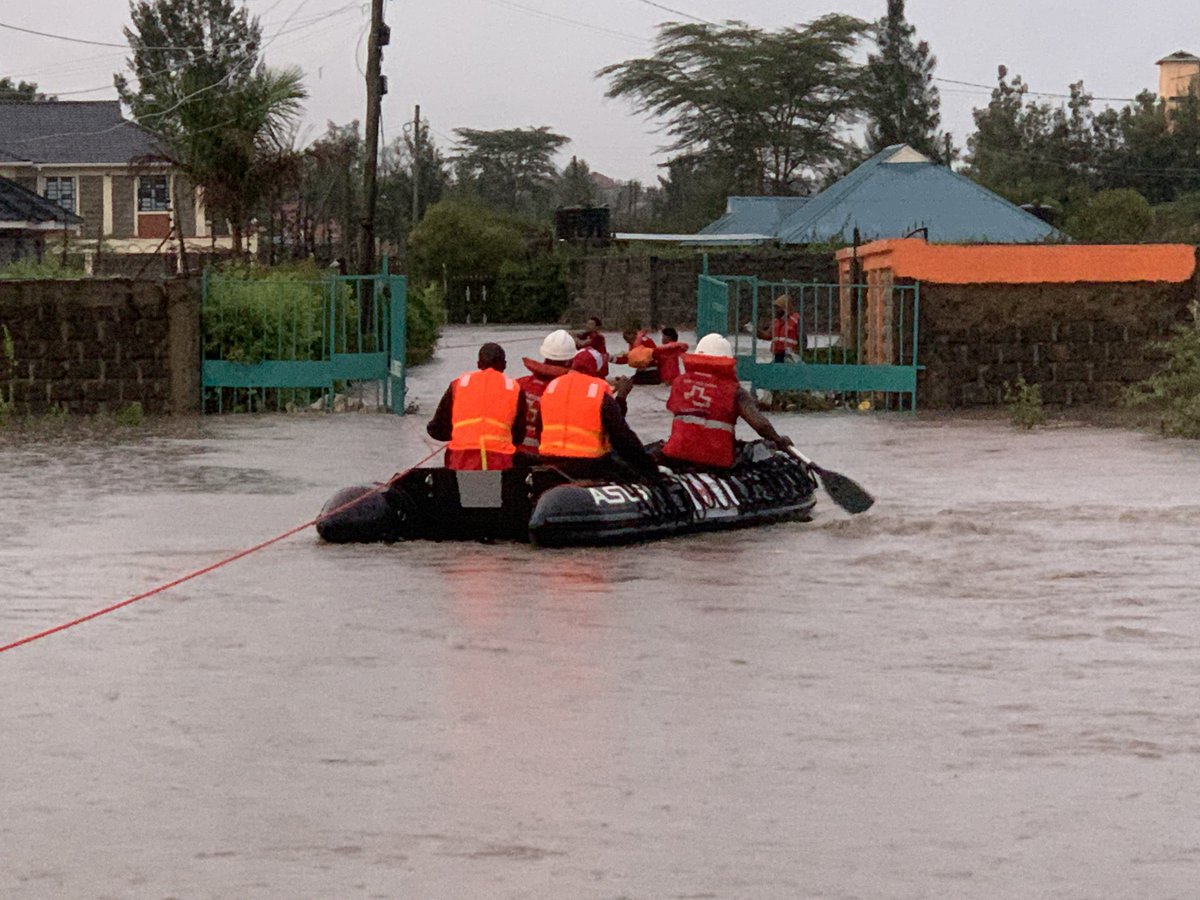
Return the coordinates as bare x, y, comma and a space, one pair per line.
845, 492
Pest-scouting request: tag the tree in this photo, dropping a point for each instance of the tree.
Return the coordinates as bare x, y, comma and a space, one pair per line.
511, 169
692, 194
771, 108
1120, 216
457, 240
901, 101
20, 92
211, 44
222, 118
395, 219
576, 187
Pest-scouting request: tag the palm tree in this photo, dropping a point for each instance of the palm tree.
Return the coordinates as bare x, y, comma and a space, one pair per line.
235, 143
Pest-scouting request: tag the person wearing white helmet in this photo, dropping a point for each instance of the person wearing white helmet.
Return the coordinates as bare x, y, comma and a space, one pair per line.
707, 401
557, 351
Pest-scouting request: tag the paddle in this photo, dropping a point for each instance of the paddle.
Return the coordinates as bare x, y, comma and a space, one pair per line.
845, 492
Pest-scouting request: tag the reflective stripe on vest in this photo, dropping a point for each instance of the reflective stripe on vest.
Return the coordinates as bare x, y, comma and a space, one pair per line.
705, 423
485, 405
571, 423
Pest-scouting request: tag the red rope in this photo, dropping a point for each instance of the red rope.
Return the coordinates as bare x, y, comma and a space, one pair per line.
224, 562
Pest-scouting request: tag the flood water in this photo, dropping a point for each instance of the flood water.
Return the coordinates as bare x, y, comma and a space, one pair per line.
987, 686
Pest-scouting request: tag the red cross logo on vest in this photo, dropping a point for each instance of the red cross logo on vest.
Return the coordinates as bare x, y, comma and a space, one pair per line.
698, 395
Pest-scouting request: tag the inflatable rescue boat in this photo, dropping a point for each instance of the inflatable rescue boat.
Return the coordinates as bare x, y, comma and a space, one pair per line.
540, 504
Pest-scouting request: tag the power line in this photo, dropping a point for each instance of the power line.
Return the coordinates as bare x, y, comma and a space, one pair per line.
600, 29
991, 87
678, 12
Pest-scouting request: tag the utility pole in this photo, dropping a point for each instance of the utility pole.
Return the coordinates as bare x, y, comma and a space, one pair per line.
416, 172
376, 88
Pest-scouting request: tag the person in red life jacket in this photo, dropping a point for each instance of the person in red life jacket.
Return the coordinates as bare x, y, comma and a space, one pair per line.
784, 333
707, 402
640, 356
667, 355
593, 339
482, 415
558, 349
583, 428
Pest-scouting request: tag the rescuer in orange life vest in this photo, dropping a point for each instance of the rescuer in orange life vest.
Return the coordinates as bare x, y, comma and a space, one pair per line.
558, 349
583, 428
482, 415
707, 402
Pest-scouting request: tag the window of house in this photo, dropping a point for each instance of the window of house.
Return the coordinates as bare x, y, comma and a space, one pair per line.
61, 190
153, 194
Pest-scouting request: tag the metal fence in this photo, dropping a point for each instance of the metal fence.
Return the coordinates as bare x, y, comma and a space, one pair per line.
277, 342
854, 339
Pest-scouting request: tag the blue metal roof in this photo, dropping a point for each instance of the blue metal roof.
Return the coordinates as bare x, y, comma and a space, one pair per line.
754, 215
898, 191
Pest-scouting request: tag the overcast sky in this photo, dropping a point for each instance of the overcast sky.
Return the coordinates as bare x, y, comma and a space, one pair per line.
512, 63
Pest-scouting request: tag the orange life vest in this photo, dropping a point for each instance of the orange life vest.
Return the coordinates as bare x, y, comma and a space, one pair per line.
704, 400
571, 423
485, 405
534, 385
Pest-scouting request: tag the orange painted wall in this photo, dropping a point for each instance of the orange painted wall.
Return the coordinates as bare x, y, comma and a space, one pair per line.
1023, 263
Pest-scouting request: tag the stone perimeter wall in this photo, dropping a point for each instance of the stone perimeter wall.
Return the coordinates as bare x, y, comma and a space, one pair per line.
1082, 343
97, 345
658, 291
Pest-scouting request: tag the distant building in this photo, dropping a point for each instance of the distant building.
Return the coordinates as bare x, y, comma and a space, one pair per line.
86, 157
1178, 75
27, 220
896, 193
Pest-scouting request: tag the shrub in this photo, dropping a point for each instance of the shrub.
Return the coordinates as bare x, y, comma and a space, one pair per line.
1175, 391
426, 313
1120, 216
456, 240
1024, 404
534, 290
31, 270
131, 416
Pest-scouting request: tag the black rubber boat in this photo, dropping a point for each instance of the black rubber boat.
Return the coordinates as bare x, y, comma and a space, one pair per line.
541, 505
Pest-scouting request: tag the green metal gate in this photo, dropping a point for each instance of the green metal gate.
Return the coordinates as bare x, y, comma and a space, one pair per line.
855, 338
276, 342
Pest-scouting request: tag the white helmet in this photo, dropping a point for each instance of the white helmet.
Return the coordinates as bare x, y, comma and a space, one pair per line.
714, 345
558, 346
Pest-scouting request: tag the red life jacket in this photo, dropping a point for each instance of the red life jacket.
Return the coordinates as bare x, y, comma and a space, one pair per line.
485, 405
704, 400
785, 334
534, 386
667, 357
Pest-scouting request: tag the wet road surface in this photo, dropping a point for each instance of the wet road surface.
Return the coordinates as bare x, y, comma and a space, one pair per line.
988, 686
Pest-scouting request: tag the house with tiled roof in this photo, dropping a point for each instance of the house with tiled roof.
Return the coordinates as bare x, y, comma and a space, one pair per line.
93, 162
26, 219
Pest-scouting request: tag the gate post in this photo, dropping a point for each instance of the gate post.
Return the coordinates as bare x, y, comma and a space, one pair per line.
397, 352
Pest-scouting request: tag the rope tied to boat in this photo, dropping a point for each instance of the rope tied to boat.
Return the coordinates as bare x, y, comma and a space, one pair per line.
261, 545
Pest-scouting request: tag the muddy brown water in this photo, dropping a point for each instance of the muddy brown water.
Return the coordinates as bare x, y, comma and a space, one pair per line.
988, 686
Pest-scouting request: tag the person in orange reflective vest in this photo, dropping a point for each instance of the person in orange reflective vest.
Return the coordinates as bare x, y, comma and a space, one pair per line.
707, 402
558, 349
784, 333
482, 415
583, 428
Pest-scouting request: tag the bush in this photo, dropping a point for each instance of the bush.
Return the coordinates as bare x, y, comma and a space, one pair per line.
1024, 403
531, 291
257, 313
1176, 389
426, 313
31, 270
131, 416
1112, 217
457, 240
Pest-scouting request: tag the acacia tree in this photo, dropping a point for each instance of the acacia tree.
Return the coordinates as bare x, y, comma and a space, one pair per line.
222, 118
769, 107
901, 101
511, 169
